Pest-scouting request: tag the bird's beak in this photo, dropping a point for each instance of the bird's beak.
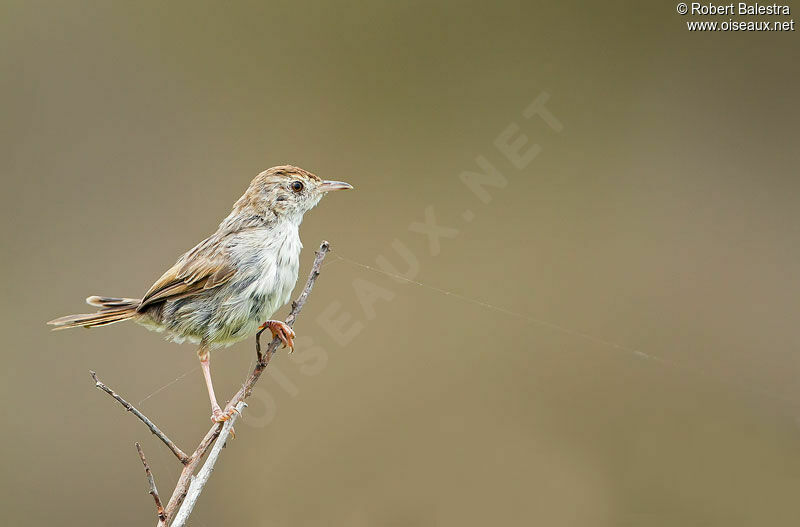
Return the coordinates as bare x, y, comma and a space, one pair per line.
327, 186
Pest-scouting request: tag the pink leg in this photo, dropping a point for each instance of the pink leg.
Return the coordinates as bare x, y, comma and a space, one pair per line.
205, 363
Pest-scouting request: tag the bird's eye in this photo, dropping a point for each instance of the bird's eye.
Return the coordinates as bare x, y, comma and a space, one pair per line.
297, 186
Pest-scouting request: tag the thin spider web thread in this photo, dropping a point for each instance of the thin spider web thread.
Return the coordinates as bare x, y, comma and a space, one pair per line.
523, 316
577, 333
170, 383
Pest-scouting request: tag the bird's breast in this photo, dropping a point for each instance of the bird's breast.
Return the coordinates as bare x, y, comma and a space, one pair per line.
269, 263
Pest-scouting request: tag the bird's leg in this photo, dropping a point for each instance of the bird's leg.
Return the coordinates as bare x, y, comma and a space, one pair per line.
205, 361
281, 330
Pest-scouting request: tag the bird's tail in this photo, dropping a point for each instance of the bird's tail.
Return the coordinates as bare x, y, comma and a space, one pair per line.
113, 310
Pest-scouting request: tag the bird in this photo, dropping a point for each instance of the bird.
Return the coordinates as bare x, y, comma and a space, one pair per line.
227, 287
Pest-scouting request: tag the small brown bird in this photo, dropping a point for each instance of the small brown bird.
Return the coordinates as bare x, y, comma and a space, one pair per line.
222, 290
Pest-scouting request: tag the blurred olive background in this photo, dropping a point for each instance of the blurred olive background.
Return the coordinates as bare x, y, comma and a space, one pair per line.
662, 219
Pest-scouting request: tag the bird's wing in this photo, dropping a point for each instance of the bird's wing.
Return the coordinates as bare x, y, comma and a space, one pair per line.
204, 267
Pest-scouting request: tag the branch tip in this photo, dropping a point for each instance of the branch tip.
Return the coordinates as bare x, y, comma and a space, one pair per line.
151, 484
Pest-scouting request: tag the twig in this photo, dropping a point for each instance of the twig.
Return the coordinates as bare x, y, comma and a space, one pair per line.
151, 484
182, 457
185, 479
199, 481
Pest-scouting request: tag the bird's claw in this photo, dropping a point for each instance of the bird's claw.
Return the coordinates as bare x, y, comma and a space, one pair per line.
219, 416
282, 331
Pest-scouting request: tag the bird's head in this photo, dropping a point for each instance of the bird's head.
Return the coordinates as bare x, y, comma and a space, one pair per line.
285, 192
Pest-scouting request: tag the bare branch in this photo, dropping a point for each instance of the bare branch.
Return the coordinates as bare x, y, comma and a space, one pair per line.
185, 480
182, 457
151, 484
199, 481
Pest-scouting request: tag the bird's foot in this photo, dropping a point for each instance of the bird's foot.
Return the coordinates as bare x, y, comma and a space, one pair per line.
220, 416
282, 331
